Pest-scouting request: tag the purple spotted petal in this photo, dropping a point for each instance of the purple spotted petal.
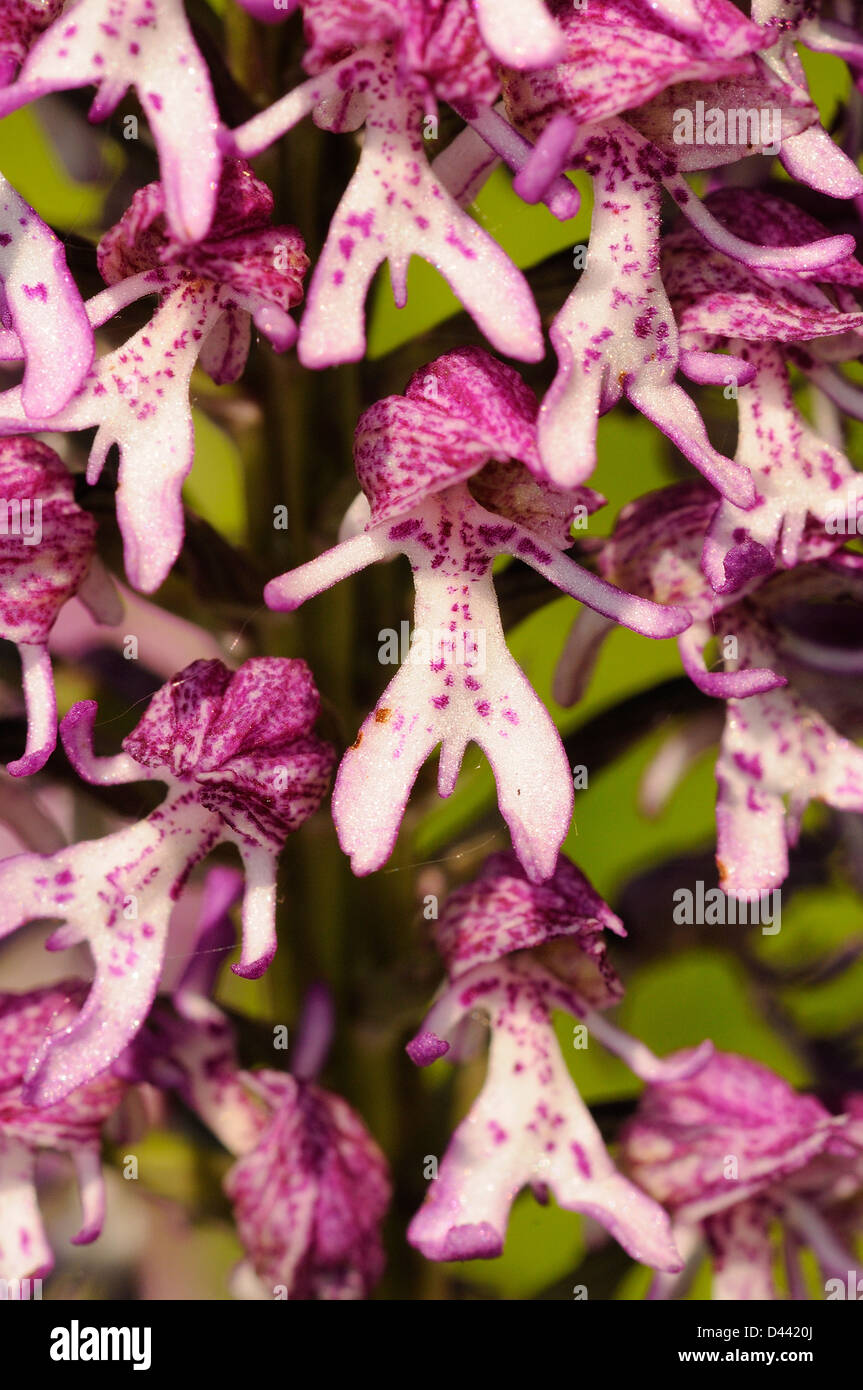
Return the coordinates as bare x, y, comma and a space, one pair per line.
247, 771
309, 1198
502, 911
46, 554
621, 53
394, 208
721, 298
42, 304
269, 11
72, 1125
436, 46
671, 79
24, 1249
208, 715
776, 748
137, 396
678, 1144
457, 413
117, 44
260, 267
459, 682
528, 1127
656, 546
797, 476
707, 123
383, 63
474, 387
616, 333
469, 689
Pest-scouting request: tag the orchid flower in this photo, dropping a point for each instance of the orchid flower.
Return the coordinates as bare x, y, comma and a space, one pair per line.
778, 752
41, 303
384, 65
310, 1186
138, 394
71, 1125
241, 765
819, 29
515, 952
616, 334
47, 554
729, 1149
414, 455
624, 64
811, 155
721, 303
148, 45
309, 1198
625, 58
